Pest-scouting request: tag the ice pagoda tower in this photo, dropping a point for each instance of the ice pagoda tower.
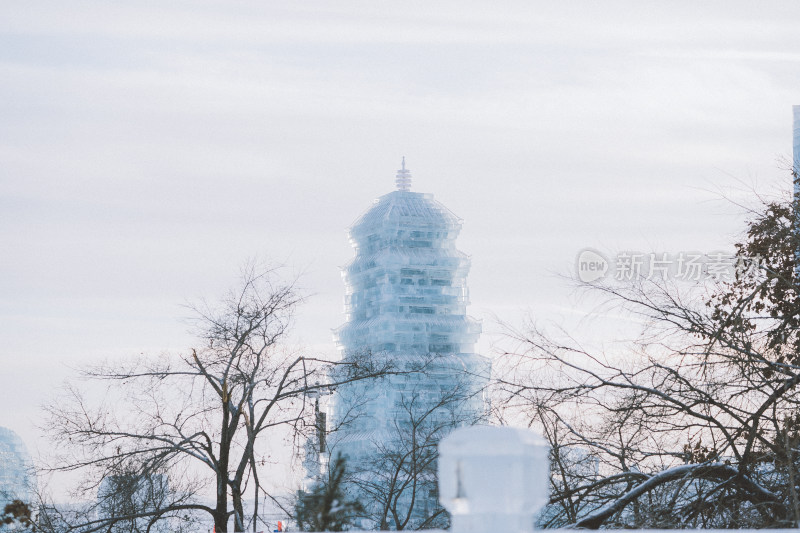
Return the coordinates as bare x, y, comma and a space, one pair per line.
406, 292
406, 303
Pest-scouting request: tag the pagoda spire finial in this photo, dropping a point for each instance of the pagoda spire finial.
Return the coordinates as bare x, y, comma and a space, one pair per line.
403, 178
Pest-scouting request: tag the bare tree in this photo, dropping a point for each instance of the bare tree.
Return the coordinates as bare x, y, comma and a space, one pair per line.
396, 480
132, 493
696, 423
202, 418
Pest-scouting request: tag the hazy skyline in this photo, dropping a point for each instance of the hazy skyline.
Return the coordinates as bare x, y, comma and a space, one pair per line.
148, 150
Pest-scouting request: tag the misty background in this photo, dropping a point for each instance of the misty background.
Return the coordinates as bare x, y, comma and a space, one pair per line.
148, 150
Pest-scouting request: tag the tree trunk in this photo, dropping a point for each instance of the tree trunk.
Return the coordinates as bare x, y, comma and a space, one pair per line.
238, 509
221, 510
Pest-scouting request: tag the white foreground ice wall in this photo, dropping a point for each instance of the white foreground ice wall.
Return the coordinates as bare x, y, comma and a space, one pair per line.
493, 478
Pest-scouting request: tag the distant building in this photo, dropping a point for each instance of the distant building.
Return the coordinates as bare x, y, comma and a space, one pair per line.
796, 171
406, 303
796, 143
17, 480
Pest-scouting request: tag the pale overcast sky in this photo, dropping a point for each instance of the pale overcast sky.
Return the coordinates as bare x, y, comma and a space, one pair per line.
148, 149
